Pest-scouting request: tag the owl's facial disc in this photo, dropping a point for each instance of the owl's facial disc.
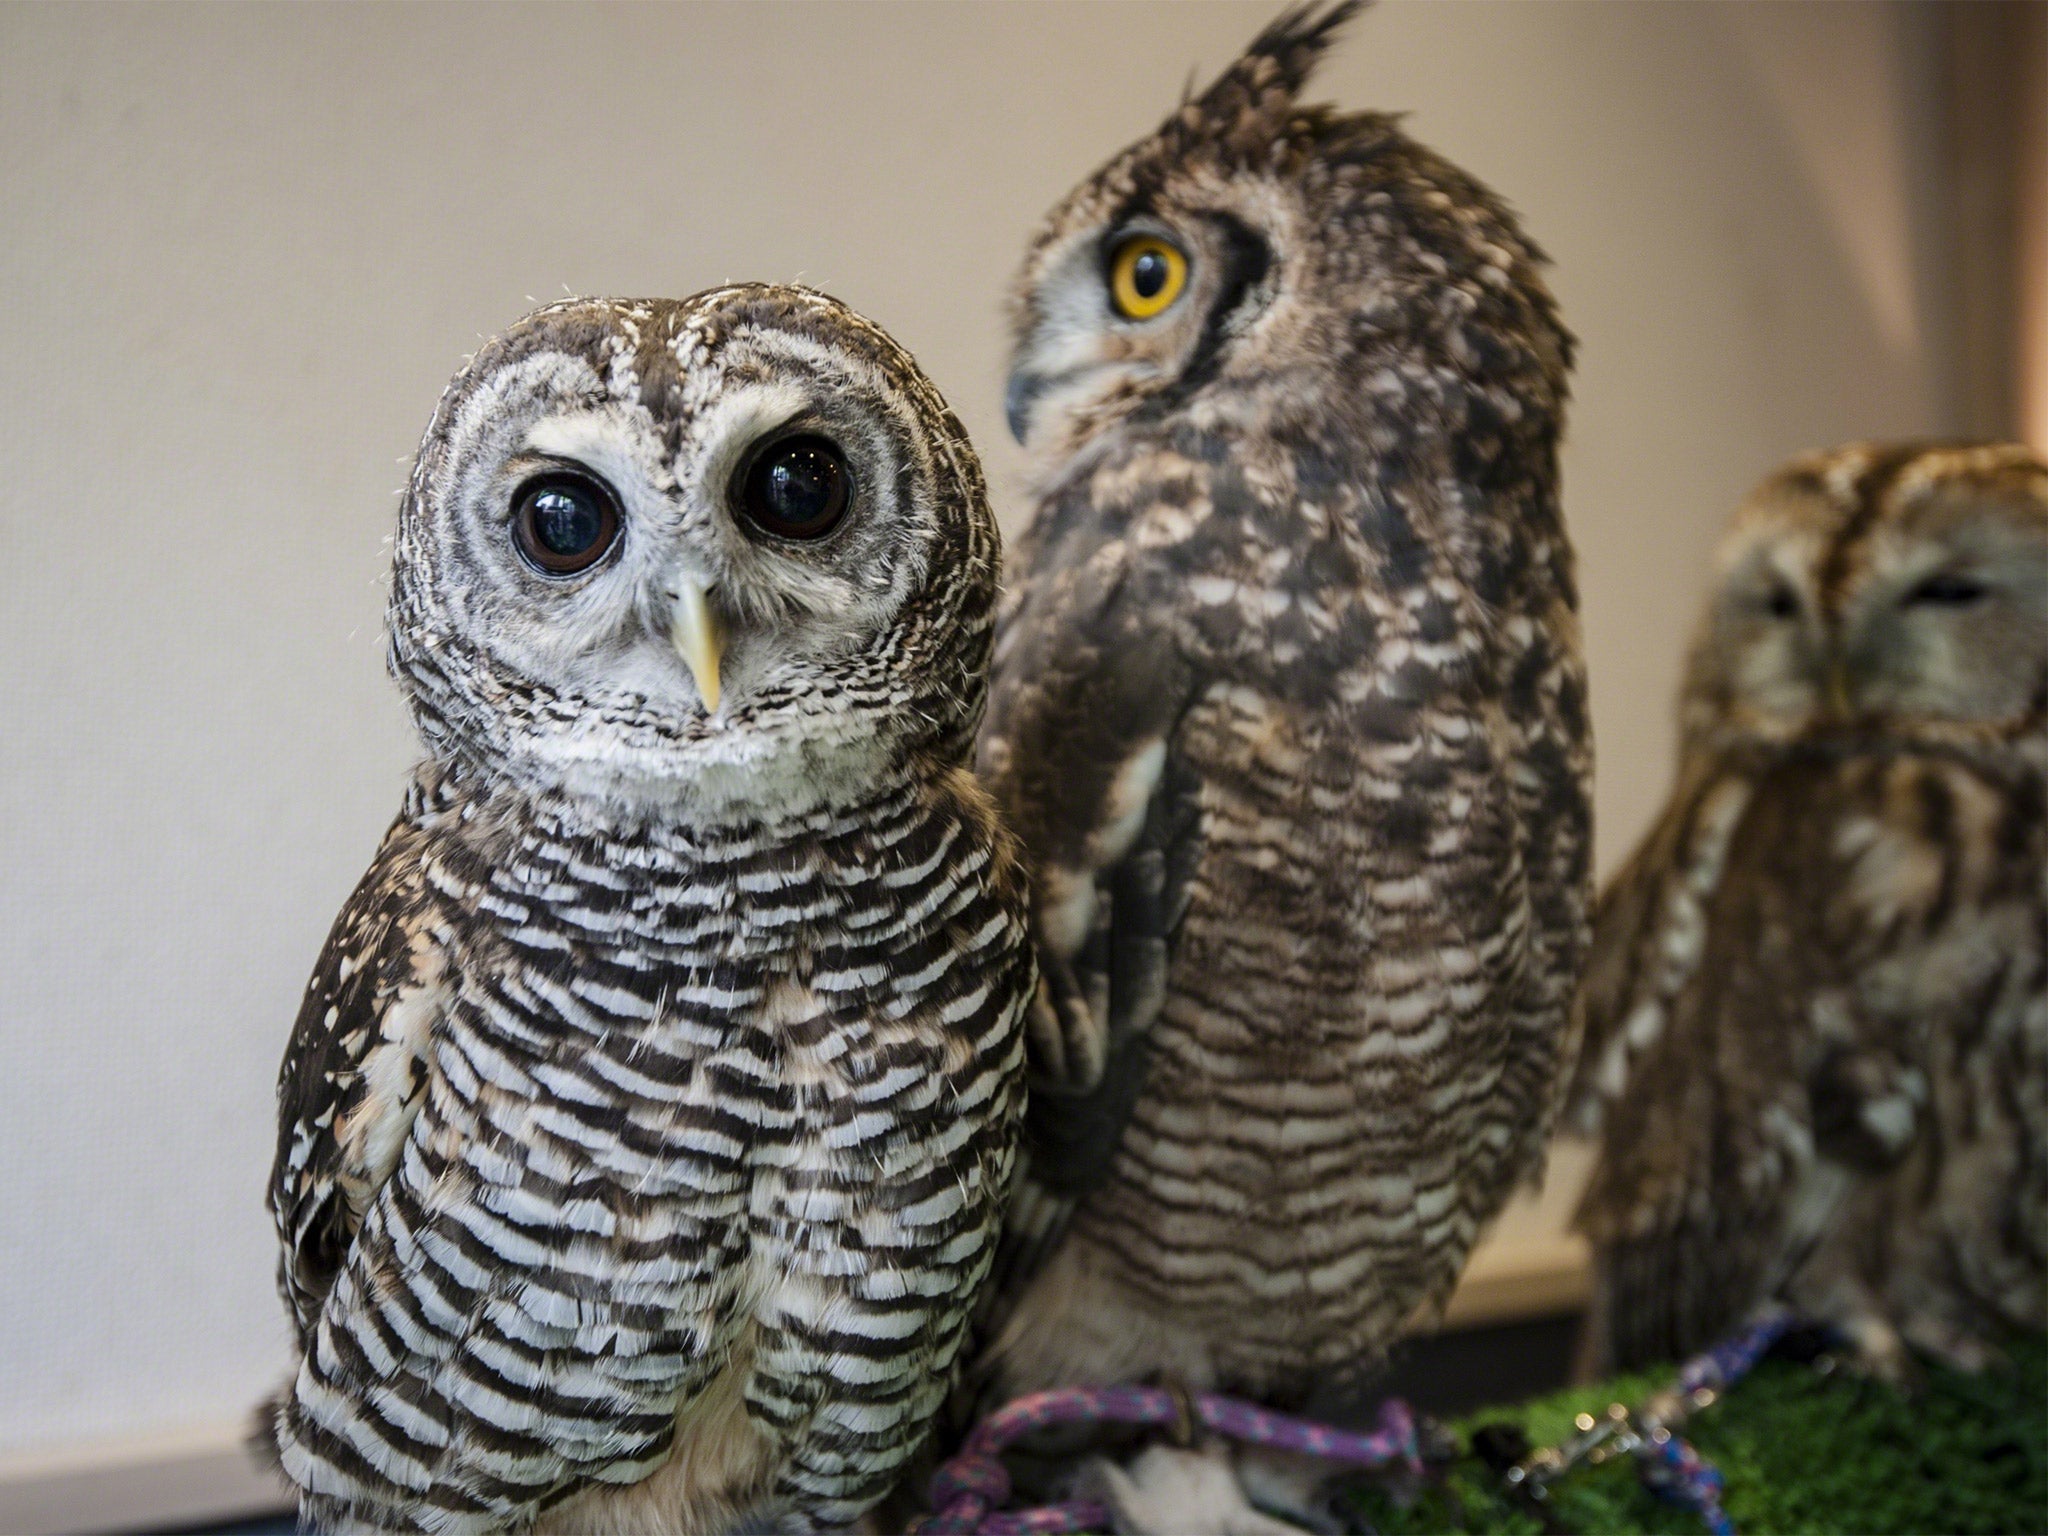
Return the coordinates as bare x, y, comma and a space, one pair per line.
730, 551
736, 554
1878, 590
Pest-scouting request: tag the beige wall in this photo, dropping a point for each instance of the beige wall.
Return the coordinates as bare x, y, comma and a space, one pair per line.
242, 249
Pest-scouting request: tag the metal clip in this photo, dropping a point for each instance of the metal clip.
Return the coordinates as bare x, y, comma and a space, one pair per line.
1596, 1440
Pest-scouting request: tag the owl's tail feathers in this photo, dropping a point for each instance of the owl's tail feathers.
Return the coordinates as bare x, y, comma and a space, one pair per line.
262, 1437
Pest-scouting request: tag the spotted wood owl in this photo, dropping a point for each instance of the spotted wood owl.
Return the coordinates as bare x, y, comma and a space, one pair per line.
1289, 712
1816, 1015
645, 1131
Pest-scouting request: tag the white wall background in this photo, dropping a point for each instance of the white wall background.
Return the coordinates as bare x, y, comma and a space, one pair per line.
242, 249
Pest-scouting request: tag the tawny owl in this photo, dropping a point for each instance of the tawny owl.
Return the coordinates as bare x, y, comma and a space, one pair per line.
1816, 1019
645, 1131
1289, 712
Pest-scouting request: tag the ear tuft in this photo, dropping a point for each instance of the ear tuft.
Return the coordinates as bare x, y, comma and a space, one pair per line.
1296, 40
1252, 99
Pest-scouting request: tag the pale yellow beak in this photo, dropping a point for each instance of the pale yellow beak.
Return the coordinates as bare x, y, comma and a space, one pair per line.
699, 638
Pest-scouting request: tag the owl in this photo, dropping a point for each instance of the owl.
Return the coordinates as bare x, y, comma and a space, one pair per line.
1289, 713
1816, 1014
645, 1132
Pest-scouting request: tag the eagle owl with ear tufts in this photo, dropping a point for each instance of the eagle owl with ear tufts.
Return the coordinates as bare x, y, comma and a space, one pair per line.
647, 1125
1817, 1009
1289, 712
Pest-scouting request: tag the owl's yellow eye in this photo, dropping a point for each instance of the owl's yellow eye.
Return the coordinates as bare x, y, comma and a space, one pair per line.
1145, 276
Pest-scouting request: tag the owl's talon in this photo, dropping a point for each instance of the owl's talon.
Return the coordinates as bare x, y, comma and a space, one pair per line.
1186, 1431
1954, 1347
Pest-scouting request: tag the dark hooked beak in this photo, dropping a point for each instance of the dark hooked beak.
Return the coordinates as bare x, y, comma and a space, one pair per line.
1840, 705
1025, 387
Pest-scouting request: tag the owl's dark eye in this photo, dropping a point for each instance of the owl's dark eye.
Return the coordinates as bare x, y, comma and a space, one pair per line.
1781, 603
564, 523
797, 488
1946, 590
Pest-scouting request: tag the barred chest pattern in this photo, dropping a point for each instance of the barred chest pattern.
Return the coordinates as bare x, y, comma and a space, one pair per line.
685, 1103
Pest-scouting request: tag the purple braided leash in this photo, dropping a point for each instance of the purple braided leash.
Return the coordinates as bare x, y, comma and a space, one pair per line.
968, 1490
1669, 1463
1681, 1474
1735, 1356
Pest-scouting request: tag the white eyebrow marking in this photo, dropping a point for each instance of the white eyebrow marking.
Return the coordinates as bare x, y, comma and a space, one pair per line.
733, 423
585, 436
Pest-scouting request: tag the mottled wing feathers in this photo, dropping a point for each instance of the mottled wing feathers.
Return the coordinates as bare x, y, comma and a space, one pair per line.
1087, 689
1781, 975
418, 1233
1704, 1142
1096, 1010
1540, 667
352, 1076
497, 1336
1649, 940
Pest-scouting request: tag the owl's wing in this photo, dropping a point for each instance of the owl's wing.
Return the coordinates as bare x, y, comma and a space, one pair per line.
353, 1073
1648, 939
1712, 1066
1086, 696
505, 1275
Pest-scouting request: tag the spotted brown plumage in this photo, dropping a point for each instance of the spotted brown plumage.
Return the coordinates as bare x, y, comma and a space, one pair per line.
644, 1134
1288, 711
1816, 1014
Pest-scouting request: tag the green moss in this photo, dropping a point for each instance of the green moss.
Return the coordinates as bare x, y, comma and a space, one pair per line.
1801, 1452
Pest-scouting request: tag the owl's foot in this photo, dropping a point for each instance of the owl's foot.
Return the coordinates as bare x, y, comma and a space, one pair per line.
1876, 1350
1069, 1048
1167, 1491
1304, 1492
1949, 1343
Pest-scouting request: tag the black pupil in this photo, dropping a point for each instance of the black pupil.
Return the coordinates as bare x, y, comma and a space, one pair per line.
1148, 274
799, 487
566, 521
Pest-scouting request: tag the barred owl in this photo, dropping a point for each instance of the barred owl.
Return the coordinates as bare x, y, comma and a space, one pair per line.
1817, 1011
1289, 712
645, 1131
